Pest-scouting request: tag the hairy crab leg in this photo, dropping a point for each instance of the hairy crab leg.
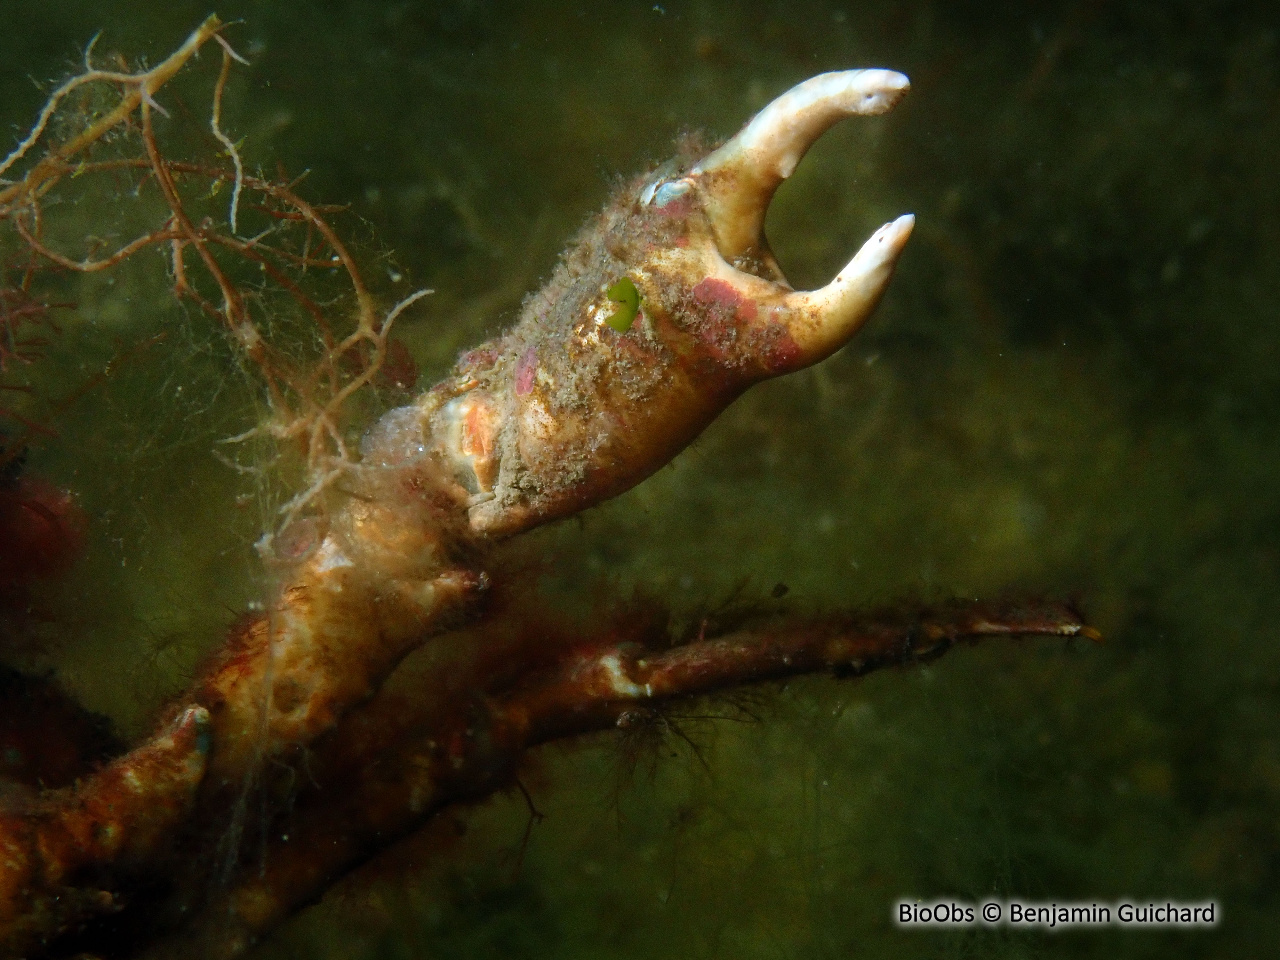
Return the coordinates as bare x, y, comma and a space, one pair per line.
651, 325
596, 686
120, 818
584, 398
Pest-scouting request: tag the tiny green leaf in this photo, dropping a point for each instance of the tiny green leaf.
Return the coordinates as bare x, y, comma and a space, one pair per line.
627, 298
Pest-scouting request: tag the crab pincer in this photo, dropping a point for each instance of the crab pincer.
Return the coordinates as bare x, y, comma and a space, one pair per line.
667, 308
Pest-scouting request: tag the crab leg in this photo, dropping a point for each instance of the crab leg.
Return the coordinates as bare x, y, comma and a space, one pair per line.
651, 325
665, 310
56, 849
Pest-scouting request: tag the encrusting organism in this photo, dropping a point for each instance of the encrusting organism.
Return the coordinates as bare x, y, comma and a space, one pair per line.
665, 308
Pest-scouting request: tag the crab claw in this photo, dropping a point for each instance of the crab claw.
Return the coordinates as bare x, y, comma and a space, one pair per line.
823, 320
739, 179
669, 307
737, 183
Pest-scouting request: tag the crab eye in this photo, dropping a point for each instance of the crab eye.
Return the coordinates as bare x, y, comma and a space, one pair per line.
661, 192
669, 191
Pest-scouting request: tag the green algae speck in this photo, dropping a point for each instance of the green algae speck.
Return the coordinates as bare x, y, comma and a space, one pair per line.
627, 298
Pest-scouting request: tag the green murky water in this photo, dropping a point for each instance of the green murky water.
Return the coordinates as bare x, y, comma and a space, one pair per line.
1072, 388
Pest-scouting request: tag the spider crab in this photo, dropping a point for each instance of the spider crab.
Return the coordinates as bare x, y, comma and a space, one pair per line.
592, 390
665, 309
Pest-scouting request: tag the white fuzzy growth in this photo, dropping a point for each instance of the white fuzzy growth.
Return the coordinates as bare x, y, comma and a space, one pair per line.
330, 556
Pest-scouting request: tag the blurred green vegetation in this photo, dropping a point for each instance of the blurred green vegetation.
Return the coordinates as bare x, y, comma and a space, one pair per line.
1072, 388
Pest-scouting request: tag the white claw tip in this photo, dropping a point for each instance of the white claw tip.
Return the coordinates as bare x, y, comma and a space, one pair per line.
871, 91
896, 233
845, 303
881, 249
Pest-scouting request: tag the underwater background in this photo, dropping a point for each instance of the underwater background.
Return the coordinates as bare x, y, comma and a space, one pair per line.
1071, 389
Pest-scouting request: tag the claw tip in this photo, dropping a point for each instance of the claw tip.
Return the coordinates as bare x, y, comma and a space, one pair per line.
898, 231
